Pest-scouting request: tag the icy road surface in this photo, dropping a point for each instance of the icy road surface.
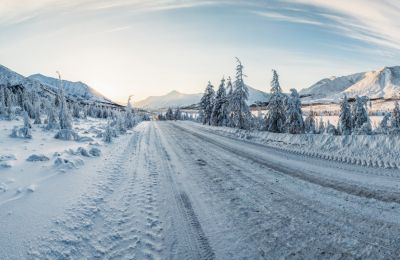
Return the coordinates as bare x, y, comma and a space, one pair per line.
173, 190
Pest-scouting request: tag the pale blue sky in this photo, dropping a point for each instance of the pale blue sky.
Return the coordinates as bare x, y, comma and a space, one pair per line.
150, 47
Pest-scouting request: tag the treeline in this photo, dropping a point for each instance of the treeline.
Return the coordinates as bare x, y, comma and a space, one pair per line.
55, 112
176, 114
228, 107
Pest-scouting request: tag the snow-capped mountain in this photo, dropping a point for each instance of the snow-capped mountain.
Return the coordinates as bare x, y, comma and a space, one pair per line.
11, 78
48, 85
382, 83
177, 99
75, 89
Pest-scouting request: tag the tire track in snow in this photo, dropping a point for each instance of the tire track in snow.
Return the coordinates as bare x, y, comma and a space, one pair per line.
381, 195
190, 227
110, 222
365, 232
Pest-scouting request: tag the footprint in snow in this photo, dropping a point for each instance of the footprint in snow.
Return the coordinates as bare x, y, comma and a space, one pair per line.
201, 162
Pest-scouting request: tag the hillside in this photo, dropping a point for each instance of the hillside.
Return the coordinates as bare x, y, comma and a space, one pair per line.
382, 83
47, 86
75, 89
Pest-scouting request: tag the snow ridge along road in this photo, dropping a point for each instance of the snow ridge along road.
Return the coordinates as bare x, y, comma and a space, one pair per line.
178, 191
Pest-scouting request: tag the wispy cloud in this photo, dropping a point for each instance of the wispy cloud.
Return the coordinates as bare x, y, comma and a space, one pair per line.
374, 22
287, 18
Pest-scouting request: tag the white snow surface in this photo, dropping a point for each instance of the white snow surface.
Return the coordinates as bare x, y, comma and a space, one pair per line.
180, 190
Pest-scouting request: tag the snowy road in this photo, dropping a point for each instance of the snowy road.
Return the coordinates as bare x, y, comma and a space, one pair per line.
174, 190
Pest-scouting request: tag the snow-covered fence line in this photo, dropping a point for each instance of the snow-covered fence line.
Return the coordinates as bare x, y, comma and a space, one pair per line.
366, 150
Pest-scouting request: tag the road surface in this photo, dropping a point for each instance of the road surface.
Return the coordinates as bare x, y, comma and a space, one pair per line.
173, 190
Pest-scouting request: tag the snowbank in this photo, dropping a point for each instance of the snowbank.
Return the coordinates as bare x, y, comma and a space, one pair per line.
367, 150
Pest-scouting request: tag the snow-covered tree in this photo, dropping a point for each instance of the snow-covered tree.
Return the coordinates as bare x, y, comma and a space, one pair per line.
129, 115
345, 124
361, 115
229, 97
309, 123
169, 115
321, 125
52, 122
108, 134
178, 114
64, 117
275, 119
207, 103
76, 110
219, 116
396, 116
294, 120
38, 120
384, 124
3, 108
25, 131
241, 115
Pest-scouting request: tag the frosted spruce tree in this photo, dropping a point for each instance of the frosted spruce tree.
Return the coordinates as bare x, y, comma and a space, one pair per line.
64, 116
169, 115
219, 116
38, 120
229, 97
241, 115
396, 117
309, 123
108, 134
129, 114
3, 108
294, 120
345, 123
362, 124
321, 125
207, 103
275, 118
384, 124
52, 122
178, 114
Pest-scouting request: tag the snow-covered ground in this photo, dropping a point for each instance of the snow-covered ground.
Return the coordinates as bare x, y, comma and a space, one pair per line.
179, 190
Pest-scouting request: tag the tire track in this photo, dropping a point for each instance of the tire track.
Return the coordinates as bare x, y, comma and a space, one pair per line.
381, 195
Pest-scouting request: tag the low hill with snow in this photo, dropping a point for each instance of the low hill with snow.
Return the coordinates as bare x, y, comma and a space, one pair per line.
177, 99
77, 90
382, 83
46, 85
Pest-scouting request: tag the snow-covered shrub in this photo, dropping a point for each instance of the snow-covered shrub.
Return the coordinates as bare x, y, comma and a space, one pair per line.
37, 158
330, 129
365, 129
94, 151
108, 134
309, 124
25, 131
67, 135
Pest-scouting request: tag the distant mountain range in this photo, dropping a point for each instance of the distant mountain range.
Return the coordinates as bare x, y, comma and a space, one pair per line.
383, 83
177, 99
